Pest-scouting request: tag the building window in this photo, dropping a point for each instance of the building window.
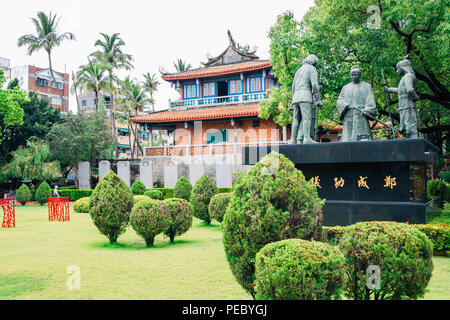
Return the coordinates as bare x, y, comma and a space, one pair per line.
255, 84
255, 123
191, 91
60, 86
217, 136
271, 83
42, 82
235, 86
209, 89
83, 103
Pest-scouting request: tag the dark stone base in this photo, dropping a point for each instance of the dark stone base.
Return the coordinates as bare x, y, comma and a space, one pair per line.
343, 213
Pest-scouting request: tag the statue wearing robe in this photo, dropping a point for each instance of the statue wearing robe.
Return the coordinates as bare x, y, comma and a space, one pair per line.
355, 100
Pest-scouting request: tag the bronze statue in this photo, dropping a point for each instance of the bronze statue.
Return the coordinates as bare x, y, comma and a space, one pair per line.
356, 104
407, 97
305, 98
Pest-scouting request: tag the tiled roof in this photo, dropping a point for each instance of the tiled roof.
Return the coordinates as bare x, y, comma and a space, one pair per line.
219, 70
247, 110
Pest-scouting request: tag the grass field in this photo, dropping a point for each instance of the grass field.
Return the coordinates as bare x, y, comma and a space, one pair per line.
35, 255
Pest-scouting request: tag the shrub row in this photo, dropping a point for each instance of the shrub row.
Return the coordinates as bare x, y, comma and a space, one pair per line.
438, 234
75, 194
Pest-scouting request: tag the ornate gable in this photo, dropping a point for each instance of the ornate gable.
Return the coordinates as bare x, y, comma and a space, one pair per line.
233, 54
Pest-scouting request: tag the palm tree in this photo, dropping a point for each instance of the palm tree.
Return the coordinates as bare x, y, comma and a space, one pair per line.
112, 56
151, 84
135, 99
93, 77
181, 66
46, 38
74, 89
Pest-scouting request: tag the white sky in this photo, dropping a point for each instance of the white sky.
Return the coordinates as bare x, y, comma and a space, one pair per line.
156, 33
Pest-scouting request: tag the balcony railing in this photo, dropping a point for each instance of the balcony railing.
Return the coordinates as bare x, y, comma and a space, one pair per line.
204, 149
225, 100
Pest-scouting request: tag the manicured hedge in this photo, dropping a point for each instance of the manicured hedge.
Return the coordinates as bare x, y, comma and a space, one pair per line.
439, 235
167, 192
74, 194
224, 190
82, 205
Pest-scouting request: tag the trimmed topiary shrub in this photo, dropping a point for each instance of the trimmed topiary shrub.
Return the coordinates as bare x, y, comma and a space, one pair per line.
297, 269
272, 202
218, 205
23, 194
154, 194
138, 188
149, 218
82, 205
43, 192
138, 198
181, 217
202, 193
183, 189
400, 251
333, 235
436, 188
110, 206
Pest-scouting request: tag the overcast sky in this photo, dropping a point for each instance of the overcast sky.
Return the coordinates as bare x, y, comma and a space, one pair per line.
156, 33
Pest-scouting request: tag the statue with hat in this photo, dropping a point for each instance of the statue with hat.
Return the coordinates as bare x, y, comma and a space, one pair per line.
407, 97
356, 105
305, 98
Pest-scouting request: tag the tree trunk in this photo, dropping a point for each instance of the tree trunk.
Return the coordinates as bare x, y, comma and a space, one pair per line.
129, 137
54, 80
76, 93
113, 125
96, 101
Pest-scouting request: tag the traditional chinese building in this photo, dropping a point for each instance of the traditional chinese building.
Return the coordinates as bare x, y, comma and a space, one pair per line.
217, 112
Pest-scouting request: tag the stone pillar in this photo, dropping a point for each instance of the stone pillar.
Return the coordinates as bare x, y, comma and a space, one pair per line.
170, 174
224, 177
146, 172
196, 170
84, 175
103, 168
123, 171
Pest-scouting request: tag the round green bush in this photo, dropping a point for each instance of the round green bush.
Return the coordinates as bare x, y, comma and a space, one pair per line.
202, 193
183, 189
436, 188
43, 192
23, 194
298, 269
138, 188
181, 217
272, 202
402, 253
149, 218
110, 206
154, 194
218, 205
138, 198
82, 205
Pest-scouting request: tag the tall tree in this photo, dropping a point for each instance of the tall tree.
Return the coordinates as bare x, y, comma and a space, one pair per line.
74, 90
92, 77
110, 53
151, 84
135, 98
181, 66
38, 118
11, 113
47, 38
81, 137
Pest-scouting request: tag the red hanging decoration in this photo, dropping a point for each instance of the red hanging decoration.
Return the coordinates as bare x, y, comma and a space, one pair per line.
9, 213
58, 208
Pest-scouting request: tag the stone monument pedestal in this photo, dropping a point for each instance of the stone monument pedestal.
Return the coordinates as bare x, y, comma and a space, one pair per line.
362, 181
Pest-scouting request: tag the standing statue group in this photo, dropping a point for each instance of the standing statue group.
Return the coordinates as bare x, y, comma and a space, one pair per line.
356, 103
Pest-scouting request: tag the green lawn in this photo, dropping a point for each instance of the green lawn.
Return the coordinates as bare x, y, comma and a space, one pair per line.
35, 255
